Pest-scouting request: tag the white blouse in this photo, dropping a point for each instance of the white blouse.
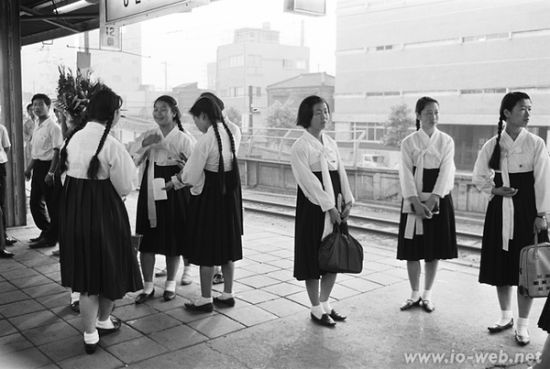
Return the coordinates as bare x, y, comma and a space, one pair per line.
206, 156
527, 153
424, 152
115, 162
305, 158
46, 137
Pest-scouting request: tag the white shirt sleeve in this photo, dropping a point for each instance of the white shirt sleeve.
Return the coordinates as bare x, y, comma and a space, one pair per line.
406, 177
482, 176
308, 182
56, 135
446, 176
541, 172
122, 170
6, 144
193, 172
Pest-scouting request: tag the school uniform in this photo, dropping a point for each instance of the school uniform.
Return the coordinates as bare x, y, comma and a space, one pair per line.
321, 177
524, 165
45, 139
427, 167
160, 222
215, 225
95, 246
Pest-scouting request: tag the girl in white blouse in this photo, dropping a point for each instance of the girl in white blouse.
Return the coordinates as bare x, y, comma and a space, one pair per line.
321, 179
215, 226
513, 169
427, 224
161, 153
96, 253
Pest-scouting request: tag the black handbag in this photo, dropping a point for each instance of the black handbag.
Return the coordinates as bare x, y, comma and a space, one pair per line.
340, 252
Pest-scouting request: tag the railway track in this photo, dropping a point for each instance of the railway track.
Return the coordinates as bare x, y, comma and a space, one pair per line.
379, 225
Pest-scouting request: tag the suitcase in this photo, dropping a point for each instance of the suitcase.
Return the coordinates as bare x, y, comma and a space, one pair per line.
534, 270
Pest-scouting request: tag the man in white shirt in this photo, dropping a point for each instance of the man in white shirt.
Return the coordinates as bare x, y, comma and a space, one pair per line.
45, 145
5, 145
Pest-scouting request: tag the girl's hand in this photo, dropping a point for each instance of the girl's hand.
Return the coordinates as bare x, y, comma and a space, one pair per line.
540, 224
345, 213
169, 186
334, 216
432, 203
181, 160
151, 139
504, 191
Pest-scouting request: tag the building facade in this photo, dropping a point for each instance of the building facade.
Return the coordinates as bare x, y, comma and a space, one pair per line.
293, 90
253, 61
465, 53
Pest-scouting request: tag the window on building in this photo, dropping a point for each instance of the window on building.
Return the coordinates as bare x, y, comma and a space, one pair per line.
236, 61
288, 64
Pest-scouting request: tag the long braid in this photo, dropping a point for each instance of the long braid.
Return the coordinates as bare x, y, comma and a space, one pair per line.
230, 139
494, 162
417, 124
62, 168
93, 167
221, 169
178, 122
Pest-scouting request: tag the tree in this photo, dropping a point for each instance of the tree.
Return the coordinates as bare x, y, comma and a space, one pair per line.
281, 116
398, 125
234, 115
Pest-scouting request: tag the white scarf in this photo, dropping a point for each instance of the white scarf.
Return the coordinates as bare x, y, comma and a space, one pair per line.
324, 150
415, 223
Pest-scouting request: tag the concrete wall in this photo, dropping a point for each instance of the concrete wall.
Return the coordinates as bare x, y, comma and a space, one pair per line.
368, 184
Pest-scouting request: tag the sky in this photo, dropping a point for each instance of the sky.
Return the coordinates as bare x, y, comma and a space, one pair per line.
188, 41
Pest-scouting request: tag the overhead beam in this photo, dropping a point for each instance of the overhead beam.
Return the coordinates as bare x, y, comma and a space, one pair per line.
58, 17
60, 24
39, 36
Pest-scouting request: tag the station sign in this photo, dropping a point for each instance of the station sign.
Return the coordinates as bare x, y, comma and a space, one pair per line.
109, 37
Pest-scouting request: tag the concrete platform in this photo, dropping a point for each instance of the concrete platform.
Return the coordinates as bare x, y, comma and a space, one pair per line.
269, 327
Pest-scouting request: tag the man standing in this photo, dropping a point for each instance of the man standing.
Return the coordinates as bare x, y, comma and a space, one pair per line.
45, 144
5, 145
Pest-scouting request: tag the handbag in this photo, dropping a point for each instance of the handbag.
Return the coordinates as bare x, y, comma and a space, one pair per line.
534, 269
340, 252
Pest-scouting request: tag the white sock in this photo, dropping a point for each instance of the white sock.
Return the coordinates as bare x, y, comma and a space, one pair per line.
415, 295
203, 301
170, 286
317, 311
105, 324
75, 296
505, 316
523, 324
91, 338
326, 307
427, 295
148, 287
225, 296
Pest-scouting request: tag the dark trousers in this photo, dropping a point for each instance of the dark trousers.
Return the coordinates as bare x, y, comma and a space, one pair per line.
42, 203
3, 190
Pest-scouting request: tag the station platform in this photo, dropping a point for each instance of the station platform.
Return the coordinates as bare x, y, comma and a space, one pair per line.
269, 327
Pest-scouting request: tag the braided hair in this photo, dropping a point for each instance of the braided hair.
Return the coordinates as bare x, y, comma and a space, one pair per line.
173, 104
508, 102
62, 167
102, 108
420, 105
213, 113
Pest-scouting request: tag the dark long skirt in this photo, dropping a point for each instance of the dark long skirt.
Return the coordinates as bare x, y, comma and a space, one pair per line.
215, 225
94, 240
439, 238
168, 237
308, 230
544, 320
499, 267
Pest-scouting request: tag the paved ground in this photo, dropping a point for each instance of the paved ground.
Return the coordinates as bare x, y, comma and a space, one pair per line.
269, 327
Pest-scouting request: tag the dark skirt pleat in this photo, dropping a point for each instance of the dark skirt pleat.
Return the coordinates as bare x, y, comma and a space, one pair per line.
215, 226
499, 267
168, 237
308, 230
439, 238
95, 246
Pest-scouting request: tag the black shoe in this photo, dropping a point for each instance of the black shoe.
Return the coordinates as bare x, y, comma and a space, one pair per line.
205, 308
4, 254
499, 328
90, 347
36, 239
116, 323
42, 243
10, 241
169, 295
75, 306
142, 297
337, 317
409, 303
230, 302
325, 320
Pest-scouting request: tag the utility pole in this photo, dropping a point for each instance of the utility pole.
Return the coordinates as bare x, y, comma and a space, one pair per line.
250, 109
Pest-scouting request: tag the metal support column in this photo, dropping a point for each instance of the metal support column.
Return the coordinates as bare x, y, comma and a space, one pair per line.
11, 109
